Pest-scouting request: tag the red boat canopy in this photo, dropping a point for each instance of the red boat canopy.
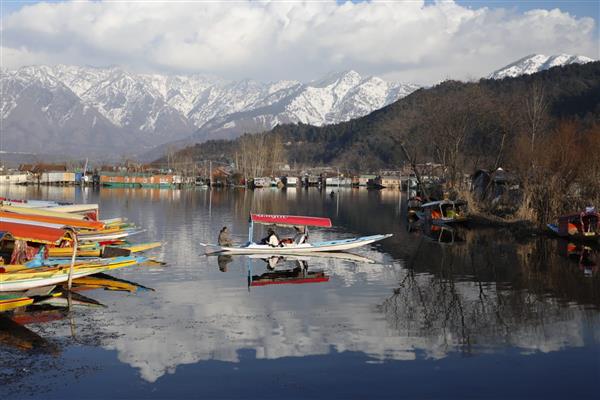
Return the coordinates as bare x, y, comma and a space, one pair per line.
31, 233
290, 220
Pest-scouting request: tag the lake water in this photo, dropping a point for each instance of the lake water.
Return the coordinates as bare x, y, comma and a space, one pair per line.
471, 313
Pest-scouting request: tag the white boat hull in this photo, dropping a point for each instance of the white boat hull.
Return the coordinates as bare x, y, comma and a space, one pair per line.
334, 245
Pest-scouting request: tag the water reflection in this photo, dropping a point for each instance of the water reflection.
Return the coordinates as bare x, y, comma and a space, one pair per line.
290, 270
406, 298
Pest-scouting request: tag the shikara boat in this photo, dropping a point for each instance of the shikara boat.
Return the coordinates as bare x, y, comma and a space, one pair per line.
290, 247
50, 221
94, 249
582, 226
12, 301
444, 212
20, 277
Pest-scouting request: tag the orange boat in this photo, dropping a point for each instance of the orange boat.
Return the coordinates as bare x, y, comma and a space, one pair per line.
49, 221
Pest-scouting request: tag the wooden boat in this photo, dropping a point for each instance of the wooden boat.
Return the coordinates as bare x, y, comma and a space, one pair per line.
251, 247
413, 208
103, 236
444, 212
19, 277
582, 226
94, 249
12, 301
49, 221
42, 212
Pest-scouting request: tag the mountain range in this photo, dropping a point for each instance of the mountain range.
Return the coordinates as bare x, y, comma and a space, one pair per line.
111, 112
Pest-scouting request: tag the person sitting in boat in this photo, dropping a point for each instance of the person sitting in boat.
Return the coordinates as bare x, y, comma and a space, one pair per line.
272, 239
224, 238
300, 236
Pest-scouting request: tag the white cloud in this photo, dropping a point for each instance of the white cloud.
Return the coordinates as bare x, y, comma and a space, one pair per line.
405, 40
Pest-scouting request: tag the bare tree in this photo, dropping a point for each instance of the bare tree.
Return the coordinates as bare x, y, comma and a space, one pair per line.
536, 107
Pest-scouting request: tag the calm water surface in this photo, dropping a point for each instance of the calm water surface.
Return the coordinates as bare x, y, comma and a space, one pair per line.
479, 315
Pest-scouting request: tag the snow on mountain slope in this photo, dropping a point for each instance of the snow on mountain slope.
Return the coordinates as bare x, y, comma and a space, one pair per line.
536, 63
335, 98
121, 107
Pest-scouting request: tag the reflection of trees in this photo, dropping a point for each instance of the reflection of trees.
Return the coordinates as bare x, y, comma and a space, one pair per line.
488, 293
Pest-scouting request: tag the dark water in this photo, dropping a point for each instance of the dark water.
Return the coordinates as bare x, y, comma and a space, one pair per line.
479, 315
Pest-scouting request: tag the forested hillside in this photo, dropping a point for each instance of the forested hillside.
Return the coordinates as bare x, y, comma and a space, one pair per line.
454, 123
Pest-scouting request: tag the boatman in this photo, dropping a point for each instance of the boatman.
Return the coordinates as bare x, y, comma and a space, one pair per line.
224, 238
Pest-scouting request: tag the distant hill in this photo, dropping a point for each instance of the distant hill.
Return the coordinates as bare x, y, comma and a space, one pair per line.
478, 115
535, 63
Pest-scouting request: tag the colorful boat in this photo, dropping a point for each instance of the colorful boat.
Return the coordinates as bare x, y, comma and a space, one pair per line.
94, 249
18, 278
444, 212
290, 246
582, 226
50, 221
10, 302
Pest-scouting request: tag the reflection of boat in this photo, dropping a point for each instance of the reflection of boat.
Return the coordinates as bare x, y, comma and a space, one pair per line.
441, 233
15, 335
444, 212
106, 282
298, 275
292, 247
584, 256
66, 300
582, 226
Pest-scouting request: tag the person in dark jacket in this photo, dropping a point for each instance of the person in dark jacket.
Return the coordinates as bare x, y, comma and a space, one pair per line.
224, 238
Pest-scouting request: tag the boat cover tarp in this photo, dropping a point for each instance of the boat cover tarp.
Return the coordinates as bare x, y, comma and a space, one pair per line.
290, 220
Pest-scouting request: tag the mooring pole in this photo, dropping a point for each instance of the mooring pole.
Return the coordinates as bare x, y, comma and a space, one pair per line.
70, 282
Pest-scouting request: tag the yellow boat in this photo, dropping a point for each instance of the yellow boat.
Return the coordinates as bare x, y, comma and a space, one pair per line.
11, 302
95, 250
19, 277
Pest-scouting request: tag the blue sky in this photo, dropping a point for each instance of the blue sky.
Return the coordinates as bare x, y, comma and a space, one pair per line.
579, 8
399, 40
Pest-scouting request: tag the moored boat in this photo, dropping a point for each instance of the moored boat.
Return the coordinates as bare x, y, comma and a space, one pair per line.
20, 277
578, 226
444, 212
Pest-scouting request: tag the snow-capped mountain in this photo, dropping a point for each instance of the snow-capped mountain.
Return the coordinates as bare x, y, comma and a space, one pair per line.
151, 109
335, 98
536, 63
98, 111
